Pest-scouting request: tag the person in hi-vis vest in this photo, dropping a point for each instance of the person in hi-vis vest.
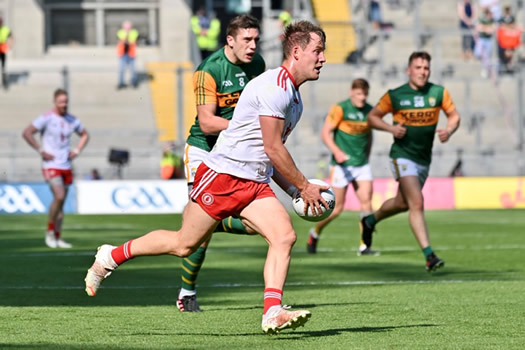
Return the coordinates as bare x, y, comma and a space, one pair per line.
6, 39
127, 51
206, 30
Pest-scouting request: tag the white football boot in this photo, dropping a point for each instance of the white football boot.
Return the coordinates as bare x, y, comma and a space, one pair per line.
100, 270
280, 317
51, 240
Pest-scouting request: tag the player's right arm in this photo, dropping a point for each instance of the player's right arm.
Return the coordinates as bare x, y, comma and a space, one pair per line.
28, 133
330, 124
375, 118
205, 89
272, 129
209, 123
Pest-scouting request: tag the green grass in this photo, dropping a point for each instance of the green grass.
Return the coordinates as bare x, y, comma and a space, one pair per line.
477, 301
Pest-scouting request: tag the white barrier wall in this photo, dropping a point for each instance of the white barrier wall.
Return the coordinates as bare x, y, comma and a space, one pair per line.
131, 197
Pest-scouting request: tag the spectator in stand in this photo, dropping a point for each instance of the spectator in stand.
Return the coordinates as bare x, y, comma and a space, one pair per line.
509, 39
483, 50
171, 164
467, 17
6, 40
374, 14
206, 30
285, 18
494, 6
127, 51
94, 175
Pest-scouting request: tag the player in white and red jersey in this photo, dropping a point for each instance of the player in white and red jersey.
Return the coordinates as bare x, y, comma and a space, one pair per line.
234, 179
56, 128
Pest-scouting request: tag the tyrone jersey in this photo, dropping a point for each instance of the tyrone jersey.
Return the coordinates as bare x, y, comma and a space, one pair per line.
55, 134
220, 82
352, 131
418, 110
239, 150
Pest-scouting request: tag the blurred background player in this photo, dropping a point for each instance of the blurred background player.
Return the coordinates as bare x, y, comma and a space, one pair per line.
415, 106
234, 179
6, 40
218, 83
349, 138
127, 52
56, 128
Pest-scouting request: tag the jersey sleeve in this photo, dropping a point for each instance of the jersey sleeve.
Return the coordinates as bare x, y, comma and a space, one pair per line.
79, 127
273, 101
385, 104
447, 105
335, 115
205, 88
40, 122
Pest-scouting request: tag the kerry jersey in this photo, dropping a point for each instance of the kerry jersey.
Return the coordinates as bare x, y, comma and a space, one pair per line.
55, 134
352, 131
418, 110
220, 82
239, 150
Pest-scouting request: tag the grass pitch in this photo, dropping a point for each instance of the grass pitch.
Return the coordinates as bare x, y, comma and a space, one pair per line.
388, 302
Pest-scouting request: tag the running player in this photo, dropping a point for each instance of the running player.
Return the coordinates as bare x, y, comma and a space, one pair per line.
218, 83
349, 138
56, 128
234, 178
415, 107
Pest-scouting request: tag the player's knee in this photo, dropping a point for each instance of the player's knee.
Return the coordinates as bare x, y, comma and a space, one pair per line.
337, 211
284, 238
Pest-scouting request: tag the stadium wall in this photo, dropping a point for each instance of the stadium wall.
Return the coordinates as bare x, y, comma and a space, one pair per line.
162, 197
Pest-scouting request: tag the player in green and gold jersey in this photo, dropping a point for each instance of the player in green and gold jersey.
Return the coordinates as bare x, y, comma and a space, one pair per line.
218, 83
415, 107
349, 138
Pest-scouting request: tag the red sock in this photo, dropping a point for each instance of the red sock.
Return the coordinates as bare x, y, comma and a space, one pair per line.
272, 297
122, 253
51, 226
57, 234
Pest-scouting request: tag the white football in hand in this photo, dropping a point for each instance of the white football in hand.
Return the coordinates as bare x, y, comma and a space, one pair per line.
328, 196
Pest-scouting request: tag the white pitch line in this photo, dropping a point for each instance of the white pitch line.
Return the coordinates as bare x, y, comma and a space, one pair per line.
298, 250
257, 285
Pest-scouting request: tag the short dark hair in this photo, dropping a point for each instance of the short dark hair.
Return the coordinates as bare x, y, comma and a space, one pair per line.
242, 22
360, 84
59, 92
298, 33
419, 54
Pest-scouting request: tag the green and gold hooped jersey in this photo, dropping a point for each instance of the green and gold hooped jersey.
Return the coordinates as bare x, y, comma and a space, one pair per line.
220, 82
352, 132
418, 111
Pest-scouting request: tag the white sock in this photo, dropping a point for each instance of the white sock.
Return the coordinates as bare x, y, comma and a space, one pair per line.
313, 233
185, 292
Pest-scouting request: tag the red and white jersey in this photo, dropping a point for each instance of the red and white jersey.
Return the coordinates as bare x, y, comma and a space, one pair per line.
239, 150
55, 134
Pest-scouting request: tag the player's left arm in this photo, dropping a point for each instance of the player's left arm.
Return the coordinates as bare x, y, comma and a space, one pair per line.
368, 148
272, 129
453, 118
84, 138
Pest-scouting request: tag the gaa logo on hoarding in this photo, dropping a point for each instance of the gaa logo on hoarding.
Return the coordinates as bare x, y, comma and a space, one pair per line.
19, 199
128, 197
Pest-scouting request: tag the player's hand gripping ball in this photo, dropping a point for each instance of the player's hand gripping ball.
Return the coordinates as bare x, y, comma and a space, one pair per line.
329, 197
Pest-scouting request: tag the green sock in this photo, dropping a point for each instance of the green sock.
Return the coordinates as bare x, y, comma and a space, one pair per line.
427, 251
231, 225
191, 266
371, 220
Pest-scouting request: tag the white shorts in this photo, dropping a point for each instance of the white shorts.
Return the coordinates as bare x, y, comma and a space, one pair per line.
342, 176
193, 157
402, 167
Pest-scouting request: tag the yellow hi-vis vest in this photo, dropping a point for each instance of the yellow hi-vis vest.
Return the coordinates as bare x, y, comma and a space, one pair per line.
4, 35
131, 37
210, 41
